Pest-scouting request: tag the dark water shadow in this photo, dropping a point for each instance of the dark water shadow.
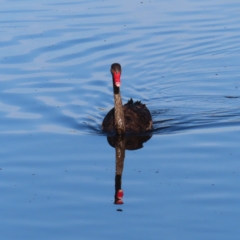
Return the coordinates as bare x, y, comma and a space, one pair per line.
131, 142
197, 121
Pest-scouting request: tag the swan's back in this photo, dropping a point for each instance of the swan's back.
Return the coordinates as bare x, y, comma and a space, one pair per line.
137, 118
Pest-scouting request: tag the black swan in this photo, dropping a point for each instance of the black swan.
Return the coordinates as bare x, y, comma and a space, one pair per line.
132, 117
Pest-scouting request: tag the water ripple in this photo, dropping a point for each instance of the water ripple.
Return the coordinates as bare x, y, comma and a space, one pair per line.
183, 67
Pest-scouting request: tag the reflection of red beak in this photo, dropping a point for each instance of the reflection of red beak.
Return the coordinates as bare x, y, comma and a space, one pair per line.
118, 197
119, 201
116, 77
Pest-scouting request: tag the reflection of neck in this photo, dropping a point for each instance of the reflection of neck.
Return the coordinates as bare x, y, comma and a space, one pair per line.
118, 111
120, 154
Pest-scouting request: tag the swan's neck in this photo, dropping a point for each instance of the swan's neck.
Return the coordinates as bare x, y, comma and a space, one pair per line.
118, 112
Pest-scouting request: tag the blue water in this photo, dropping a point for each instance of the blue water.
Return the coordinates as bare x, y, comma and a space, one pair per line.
57, 170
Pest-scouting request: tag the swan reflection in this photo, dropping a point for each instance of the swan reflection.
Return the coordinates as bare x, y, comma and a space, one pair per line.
122, 143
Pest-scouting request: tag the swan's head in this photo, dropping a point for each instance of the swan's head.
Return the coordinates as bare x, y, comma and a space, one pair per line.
116, 71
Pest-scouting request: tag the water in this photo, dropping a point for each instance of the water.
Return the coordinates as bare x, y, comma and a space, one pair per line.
57, 169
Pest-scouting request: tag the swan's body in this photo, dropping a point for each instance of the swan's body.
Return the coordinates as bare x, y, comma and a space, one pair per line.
132, 117
137, 118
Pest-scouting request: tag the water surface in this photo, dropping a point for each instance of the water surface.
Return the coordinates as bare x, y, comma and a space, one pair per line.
57, 169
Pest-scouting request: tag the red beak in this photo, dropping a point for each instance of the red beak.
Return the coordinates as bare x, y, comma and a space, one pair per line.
116, 77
